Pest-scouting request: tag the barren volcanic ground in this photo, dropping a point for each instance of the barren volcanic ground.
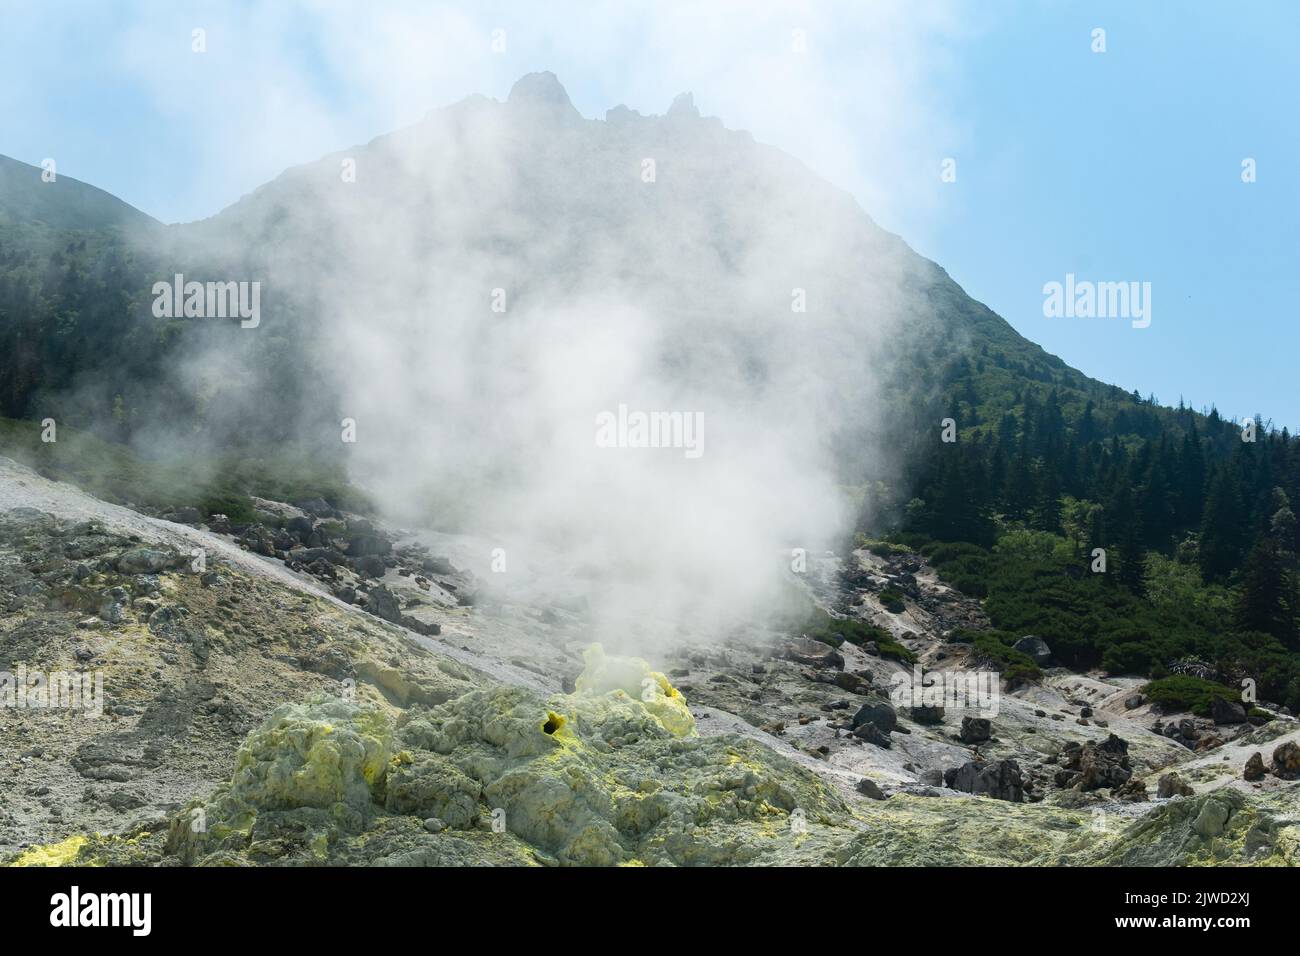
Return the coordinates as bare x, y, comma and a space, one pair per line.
318, 689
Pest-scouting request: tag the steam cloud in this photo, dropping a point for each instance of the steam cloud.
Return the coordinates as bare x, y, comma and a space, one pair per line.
666, 296
735, 286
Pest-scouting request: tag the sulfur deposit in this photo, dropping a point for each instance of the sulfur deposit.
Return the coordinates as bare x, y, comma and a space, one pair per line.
500, 775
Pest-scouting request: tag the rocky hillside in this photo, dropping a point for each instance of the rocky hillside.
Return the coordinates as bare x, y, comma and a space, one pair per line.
251, 715
741, 276
276, 556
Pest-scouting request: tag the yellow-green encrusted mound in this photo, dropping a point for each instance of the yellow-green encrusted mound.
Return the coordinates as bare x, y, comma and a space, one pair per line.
1221, 828
501, 776
634, 677
1225, 827
308, 774
908, 830
509, 778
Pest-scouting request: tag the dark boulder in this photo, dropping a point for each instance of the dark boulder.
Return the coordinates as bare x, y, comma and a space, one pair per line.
853, 682
300, 527
873, 735
1172, 785
975, 730
258, 539
1000, 780
316, 506
868, 788
420, 627
926, 714
814, 654
437, 566
364, 545
184, 515
308, 555
1098, 765
1286, 761
1254, 769
1135, 791
383, 603
1227, 711
882, 715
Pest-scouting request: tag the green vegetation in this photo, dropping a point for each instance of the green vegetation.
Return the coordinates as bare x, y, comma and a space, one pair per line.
996, 648
878, 546
835, 631
820, 626
892, 600
894, 651
1130, 536
1090, 620
1184, 692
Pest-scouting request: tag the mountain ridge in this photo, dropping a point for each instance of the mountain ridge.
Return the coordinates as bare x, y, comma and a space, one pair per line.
80, 205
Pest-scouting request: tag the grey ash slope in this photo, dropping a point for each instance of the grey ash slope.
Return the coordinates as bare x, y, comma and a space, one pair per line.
193, 663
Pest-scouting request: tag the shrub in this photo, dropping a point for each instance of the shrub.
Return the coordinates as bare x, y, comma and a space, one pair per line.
941, 554
995, 647
892, 601
1184, 692
235, 506
895, 651
876, 546
835, 631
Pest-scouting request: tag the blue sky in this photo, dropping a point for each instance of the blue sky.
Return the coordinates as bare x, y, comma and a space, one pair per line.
1115, 166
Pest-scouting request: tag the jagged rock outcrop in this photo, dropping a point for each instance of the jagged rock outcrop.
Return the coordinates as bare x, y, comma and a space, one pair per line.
1254, 769
975, 730
1172, 785
1090, 766
1227, 711
1286, 761
1000, 780
880, 715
